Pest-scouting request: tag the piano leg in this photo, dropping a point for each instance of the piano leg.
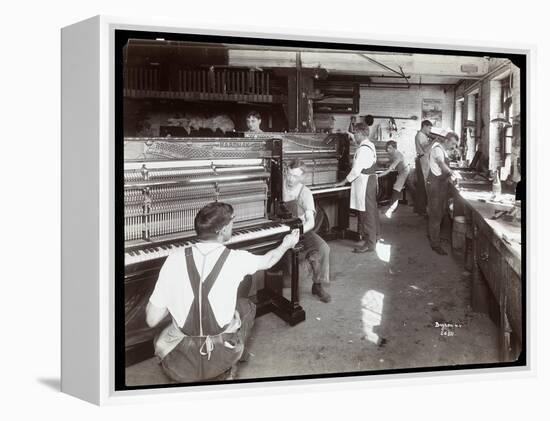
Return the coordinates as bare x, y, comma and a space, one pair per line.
271, 299
291, 311
295, 280
343, 215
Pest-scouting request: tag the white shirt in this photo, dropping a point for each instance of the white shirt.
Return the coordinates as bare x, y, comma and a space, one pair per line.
437, 151
422, 143
173, 289
364, 158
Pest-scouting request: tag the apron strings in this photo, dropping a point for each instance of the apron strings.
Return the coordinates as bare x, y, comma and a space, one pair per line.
207, 347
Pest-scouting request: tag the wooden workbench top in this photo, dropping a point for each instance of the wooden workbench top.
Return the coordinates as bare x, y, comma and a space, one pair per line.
506, 235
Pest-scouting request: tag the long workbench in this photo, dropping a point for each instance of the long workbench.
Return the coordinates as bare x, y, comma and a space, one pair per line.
493, 253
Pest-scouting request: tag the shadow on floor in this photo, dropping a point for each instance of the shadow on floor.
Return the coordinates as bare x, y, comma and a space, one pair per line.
53, 383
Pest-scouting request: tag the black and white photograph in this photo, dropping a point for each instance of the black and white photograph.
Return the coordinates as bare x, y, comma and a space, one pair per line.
275, 210
291, 209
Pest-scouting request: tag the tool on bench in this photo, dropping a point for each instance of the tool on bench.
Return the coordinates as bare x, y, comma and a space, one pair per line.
498, 214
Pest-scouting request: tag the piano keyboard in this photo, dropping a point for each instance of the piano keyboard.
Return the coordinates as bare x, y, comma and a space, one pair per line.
158, 251
255, 233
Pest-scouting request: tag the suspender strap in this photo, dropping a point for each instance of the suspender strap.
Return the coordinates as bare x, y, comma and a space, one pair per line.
202, 311
209, 281
192, 326
209, 324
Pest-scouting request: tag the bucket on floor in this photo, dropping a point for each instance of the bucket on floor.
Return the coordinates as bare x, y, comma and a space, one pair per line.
459, 232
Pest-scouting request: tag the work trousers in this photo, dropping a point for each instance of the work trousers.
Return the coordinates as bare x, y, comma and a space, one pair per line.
396, 196
437, 188
369, 219
188, 361
420, 197
317, 254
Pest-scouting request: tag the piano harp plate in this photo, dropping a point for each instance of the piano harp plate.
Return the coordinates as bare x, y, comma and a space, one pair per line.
169, 164
216, 178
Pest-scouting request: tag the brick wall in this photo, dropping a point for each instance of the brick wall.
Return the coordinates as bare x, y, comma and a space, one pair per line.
401, 102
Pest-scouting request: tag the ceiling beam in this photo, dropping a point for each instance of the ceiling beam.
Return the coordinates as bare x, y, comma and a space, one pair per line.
416, 64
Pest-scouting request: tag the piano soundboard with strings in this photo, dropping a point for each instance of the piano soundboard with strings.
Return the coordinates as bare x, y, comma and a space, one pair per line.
166, 184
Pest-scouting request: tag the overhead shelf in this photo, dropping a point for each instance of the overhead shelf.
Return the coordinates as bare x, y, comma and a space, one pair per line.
204, 96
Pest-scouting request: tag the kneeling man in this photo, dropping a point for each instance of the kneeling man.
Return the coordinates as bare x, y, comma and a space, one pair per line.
197, 287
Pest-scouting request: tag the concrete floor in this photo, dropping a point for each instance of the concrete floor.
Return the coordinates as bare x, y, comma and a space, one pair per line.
383, 314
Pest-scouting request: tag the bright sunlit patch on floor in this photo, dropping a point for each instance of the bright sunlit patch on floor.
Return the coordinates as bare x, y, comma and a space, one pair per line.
383, 251
372, 304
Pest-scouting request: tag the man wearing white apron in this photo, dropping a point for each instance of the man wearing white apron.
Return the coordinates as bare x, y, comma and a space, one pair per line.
364, 187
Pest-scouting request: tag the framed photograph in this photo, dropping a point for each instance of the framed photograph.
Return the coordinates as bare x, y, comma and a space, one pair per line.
275, 208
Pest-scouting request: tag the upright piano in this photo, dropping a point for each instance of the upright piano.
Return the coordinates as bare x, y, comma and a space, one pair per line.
327, 159
166, 182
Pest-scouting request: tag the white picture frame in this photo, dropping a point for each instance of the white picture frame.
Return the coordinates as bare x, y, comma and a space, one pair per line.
88, 220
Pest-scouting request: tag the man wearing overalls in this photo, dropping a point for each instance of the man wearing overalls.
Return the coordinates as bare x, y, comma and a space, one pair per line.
364, 189
437, 188
197, 287
298, 200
